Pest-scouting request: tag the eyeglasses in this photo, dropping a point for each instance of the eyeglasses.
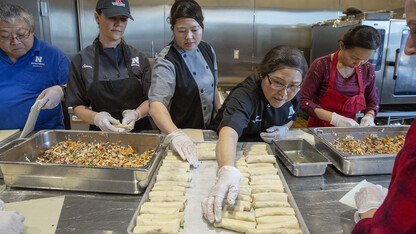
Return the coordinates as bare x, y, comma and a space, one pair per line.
279, 86
10, 37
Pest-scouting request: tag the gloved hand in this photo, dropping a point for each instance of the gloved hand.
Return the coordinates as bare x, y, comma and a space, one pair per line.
10, 221
130, 117
182, 144
274, 133
50, 97
228, 184
368, 198
104, 121
367, 121
341, 121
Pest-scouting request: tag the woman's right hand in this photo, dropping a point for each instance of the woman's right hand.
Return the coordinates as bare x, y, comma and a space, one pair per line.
105, 122
227, 188
184, 146
341, 121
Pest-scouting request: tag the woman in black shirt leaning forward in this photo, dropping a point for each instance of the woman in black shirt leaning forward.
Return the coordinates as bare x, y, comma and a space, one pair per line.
265, 104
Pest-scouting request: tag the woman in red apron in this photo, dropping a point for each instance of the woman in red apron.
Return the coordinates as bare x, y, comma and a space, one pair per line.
339, 85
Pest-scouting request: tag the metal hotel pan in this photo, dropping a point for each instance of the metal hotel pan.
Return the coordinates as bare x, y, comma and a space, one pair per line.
8, 146
20, 168
349, 164
301, 158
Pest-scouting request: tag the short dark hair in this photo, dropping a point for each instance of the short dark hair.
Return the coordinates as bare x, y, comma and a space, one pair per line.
363, 36
186, 9
9, 12
281, 57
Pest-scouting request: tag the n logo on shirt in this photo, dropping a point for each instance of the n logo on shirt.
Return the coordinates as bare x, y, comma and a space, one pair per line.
135, 62
38, 62
291, 112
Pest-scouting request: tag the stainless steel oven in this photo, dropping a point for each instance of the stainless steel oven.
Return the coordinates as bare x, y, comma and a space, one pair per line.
399, 80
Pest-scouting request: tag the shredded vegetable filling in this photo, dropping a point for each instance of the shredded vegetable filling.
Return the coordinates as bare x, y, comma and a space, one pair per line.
371, 145
95, 154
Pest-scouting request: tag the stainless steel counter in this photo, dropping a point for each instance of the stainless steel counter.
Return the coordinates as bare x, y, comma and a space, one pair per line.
317, 198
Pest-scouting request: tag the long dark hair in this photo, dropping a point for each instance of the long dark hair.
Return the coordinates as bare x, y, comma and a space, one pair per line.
363, 36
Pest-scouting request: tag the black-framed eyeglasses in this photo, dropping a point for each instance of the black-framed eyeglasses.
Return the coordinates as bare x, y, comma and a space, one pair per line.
10, 36
279, 86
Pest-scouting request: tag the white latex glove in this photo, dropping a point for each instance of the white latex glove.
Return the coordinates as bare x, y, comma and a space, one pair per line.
104, 121
341, 121
11, 222
130, 117
368, 198
50, 97
228, 184
274, 133
367, 121
181, 143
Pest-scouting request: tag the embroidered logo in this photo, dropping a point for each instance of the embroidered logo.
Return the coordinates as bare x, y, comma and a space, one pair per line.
257, 119
135, 62
38, 62
291, 112
118, 3
86, 66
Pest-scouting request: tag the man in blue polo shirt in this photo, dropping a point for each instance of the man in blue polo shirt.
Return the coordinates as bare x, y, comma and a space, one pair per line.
30, 70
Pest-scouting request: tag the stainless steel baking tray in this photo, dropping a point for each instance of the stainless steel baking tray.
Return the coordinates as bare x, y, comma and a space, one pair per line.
349, 164
203, 178
301, 158
21, 170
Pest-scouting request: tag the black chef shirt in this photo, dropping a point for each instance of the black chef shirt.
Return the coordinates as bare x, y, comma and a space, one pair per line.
247, 111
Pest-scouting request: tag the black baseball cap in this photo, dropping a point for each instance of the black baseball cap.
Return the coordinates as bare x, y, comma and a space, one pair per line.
112, 8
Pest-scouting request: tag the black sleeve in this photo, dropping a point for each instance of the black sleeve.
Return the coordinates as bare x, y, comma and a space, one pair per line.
147, 75
237, 111
296, 105
76, 89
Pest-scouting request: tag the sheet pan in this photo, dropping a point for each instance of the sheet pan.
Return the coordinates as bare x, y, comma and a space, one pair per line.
203, 178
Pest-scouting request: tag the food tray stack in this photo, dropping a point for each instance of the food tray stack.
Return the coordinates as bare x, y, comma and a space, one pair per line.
20, 168
352, 164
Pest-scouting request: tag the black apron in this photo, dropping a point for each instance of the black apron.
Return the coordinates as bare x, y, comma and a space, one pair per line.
186, 110
115, 96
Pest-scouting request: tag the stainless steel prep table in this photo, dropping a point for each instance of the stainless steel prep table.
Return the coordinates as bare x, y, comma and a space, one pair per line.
317, 198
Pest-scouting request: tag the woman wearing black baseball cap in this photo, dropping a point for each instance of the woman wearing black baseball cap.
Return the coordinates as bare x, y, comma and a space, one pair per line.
110, 76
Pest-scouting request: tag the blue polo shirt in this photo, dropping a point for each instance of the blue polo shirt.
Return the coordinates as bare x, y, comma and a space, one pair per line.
21, 83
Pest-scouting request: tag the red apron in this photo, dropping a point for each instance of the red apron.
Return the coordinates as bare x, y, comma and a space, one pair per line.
336, 102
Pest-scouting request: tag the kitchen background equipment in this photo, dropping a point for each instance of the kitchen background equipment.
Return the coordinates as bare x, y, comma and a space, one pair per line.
395, 71
241, 32
20, 168
300, 157
349, 164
